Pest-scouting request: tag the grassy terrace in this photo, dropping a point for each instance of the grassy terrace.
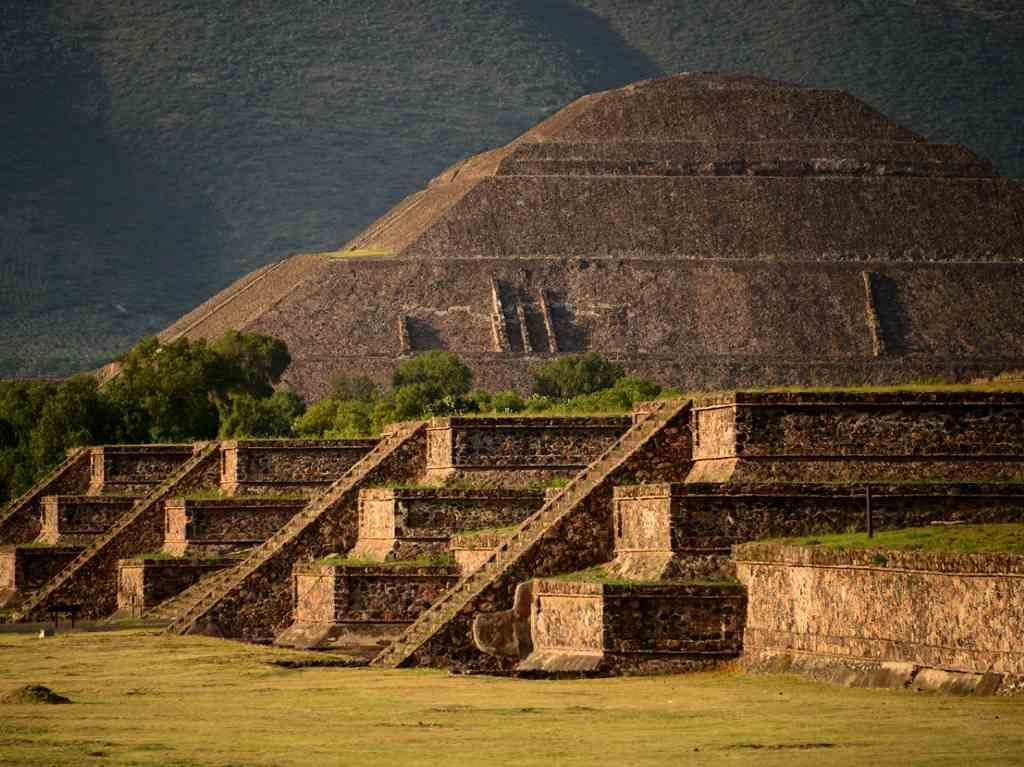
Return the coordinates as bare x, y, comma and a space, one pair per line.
958, 539
146, 699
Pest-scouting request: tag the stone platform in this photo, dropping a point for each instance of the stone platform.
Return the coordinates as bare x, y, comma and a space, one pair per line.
287, 467
76, 520
212, 528
358, 609
143, 583
411, 523
858, 437
516, 452
26, 569
133, 470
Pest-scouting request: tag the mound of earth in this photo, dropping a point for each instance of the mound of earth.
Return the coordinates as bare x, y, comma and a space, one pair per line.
32, 693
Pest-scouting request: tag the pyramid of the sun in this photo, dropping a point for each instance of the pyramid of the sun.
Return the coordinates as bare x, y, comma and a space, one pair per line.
708, 230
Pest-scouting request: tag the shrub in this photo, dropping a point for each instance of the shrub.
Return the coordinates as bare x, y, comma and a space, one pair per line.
572, 376
249, 416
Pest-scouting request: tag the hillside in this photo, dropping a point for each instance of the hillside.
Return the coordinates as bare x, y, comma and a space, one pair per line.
154, 151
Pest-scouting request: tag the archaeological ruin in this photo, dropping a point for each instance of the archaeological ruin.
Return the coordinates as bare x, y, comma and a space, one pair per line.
711, 231
714, 232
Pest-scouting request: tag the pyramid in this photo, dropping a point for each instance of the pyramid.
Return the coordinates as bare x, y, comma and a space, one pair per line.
707, 230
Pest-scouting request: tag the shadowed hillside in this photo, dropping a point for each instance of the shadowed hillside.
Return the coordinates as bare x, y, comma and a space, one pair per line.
154, 151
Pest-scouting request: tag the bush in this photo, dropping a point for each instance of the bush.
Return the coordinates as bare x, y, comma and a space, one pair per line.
573, 376
249, 416
507, 402
438, 374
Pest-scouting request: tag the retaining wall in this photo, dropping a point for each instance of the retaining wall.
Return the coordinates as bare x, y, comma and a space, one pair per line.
218, 527
615, 628
133, 469
513, 452
835, 436
304, 467
73, 520
24, 569
405, 524
145, 583
960, 613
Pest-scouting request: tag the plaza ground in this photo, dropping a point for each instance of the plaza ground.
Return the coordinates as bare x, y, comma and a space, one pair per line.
140, 698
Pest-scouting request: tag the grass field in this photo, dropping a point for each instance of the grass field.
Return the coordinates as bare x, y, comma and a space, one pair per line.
144, 699
955, 539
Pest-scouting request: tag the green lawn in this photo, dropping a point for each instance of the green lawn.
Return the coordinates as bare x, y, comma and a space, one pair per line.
958, 539
145, 699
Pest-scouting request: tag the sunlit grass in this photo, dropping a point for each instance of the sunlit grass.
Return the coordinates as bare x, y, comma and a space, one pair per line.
961, 539
145, 699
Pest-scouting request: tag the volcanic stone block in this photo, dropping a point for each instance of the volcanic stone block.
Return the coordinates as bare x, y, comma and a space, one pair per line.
513, 452
855, 437
856, 609
73, 520
25, 569
661, 528
303, 467
209, 528
144, 583
471, 550
355, 608
578, 627
405, 524
134, 469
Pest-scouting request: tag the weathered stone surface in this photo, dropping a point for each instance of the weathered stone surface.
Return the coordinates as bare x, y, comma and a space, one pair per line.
25, 569
851, 437
406, 524
90, 581
255, 601
134, 469
615, 628
201, 528
21, 521
959, 612
692, 519
145, 583
294, 467
575, 541
678, 225
516, 451
75, 520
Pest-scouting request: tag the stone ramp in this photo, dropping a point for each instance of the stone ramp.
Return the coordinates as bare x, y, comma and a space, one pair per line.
20, 522
90, 581
252, 599
565, 535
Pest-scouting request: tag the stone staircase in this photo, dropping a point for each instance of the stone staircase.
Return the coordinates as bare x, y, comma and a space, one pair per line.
529, 534
195, 604
169, 609
19, 521
90, 576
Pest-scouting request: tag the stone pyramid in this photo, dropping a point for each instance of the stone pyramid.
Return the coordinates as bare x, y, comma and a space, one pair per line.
707, 230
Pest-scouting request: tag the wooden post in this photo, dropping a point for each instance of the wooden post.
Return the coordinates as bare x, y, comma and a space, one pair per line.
867, 505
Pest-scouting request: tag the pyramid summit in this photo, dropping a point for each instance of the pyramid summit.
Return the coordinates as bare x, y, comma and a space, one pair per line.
707, 230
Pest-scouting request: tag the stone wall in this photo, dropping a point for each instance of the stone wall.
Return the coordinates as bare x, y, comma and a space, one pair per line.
579, 627
73, 520
517, 451
470, 551
292, 467
405, 524
679, 516
837, 436
92, 583
218, 527
21, 521
579, 540
260, 607
134, 469
954, 612
145, 583
357, 594
25, 569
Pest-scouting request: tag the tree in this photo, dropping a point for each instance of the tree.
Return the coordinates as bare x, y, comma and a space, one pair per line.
572, 376
249, 416
439, 374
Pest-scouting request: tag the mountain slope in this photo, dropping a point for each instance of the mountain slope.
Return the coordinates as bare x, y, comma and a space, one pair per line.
155, 150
